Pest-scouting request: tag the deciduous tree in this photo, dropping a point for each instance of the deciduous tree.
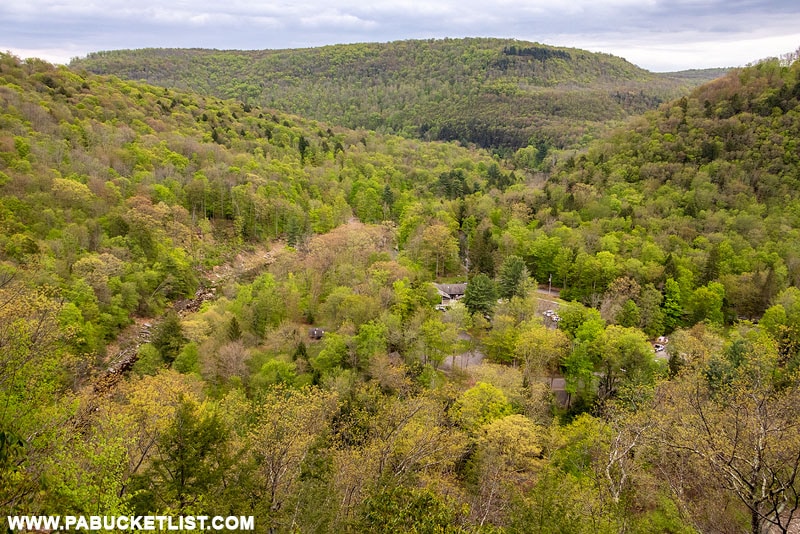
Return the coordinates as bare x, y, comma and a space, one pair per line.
735, 418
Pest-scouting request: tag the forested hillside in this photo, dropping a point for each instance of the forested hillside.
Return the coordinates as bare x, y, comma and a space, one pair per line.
501, 94
315, 381
92, 165
706, 188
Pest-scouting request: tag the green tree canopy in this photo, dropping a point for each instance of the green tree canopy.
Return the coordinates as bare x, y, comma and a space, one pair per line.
480, 295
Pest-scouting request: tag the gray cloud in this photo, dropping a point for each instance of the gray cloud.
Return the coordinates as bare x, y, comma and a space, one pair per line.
656, 34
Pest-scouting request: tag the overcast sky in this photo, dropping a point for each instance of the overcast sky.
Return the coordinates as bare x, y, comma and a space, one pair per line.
659, 35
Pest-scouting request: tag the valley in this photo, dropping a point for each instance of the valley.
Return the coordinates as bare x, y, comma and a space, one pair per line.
227, 276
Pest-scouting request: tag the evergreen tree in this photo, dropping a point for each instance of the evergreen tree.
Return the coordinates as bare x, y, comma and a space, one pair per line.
234, 332
629, 314
672, 305
711, 268
190, 464
513, 278
481, 252
302, 147
387, 197
168, 337
670, 267
480, 295
300, 353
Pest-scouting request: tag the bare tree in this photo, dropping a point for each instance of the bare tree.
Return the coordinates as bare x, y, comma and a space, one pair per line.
739, 423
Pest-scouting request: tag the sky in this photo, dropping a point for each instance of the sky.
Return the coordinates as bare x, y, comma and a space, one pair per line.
659, 35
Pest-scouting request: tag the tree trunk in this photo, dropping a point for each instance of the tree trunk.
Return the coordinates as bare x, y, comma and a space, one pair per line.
755, 521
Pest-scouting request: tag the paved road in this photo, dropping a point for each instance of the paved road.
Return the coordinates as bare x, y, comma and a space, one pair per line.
475, 356
463, 360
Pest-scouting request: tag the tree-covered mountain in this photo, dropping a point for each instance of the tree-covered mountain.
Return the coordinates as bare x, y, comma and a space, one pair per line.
711, 178
496, 93
146, 184
118, 199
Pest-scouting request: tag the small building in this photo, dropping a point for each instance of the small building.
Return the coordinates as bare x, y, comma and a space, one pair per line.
316, 333
451, 292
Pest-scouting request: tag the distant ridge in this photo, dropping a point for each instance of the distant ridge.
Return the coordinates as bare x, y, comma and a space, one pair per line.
495, 93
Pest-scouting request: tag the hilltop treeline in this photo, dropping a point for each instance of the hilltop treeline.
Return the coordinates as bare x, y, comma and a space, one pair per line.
538, 52
499, 94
